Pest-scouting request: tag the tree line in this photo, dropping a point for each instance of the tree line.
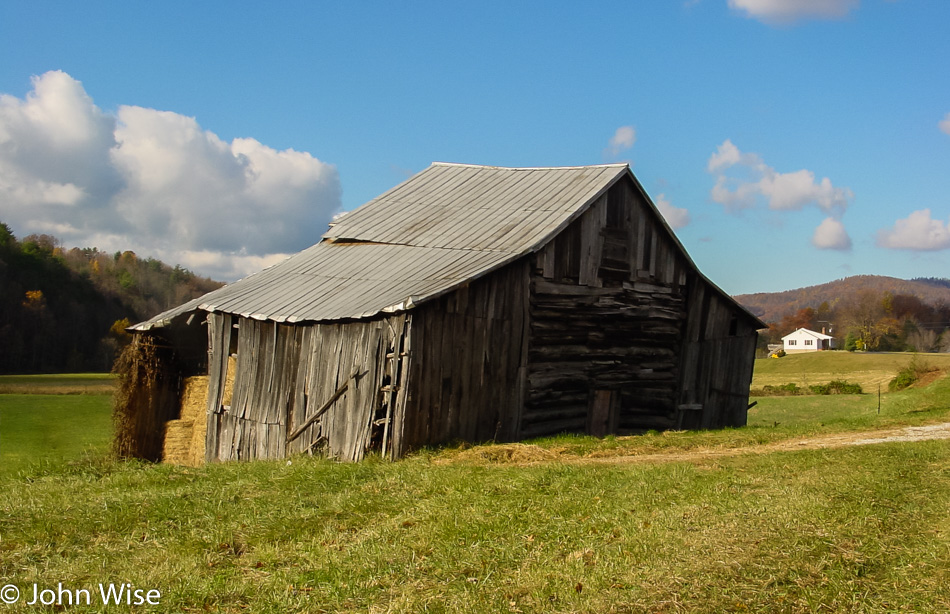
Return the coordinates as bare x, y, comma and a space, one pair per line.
872, 320
65, 310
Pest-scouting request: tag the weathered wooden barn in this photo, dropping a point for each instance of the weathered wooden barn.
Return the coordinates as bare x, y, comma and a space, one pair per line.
468, 303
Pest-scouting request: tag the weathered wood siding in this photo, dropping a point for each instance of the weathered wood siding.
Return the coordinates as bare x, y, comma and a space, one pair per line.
607, 329
717, 361
284, 373
467, 351
612, 299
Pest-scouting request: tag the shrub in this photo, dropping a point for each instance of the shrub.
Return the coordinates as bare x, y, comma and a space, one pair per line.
850, 342
786, 390
909, 375
782, 390
836, 387
905, 377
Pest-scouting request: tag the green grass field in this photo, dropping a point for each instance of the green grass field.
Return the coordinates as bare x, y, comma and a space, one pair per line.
867, 369
565, 524
52, 429
72, 383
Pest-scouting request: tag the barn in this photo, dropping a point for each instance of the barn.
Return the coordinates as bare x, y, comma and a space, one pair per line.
469, 303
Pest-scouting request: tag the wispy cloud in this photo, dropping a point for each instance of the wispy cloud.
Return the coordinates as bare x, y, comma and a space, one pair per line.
743, 180
155, 182
945, 124
676, 217
917, 232
776, 12
622, 140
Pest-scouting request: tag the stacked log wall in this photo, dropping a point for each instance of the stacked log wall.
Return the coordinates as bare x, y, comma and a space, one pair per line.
625, 334
606, 309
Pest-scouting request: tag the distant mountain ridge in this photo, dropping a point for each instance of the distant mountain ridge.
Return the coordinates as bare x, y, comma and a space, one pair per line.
773, 306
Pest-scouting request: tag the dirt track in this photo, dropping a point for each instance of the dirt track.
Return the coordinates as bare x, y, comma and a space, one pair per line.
528, 454
910, 433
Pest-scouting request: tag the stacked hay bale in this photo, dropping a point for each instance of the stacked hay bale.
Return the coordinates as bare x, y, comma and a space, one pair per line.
185, 437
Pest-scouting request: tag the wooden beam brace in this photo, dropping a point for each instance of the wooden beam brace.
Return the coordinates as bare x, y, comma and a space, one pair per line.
323, 408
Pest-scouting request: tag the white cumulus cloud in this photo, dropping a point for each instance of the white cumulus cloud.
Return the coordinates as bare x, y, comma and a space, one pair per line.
155, 182
790, 11
623, 139
918, 231
676, 217
831, 234
945, 124
743, 179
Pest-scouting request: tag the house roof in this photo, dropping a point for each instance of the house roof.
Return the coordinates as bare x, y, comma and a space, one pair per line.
804, 332
445, 226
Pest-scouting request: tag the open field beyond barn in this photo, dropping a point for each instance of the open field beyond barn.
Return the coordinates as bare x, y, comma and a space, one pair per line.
52, 420
748, 519
70, 383
868, 369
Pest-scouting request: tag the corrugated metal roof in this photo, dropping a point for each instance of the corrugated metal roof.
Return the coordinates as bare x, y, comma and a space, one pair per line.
477, 207
447, 225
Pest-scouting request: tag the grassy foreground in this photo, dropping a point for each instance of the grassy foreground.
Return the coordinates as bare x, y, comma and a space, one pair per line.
474, 529
862, 529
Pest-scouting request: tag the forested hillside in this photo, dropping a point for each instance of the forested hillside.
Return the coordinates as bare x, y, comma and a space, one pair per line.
864, 312
773, 306
66, 310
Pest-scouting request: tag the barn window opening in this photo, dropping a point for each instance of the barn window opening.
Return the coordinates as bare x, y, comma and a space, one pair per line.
230, 371
615, 216
233, 340
614, 259
647, 251
734, 325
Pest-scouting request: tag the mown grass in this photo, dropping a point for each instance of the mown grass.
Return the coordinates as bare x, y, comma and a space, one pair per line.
51, 429
475, 529
71, 383
862, 529
870, 370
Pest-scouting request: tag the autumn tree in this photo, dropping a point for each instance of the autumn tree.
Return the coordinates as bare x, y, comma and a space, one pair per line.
865, 314
58, 306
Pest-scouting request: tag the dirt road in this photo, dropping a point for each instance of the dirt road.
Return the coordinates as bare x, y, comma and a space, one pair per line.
910, 433
528, 454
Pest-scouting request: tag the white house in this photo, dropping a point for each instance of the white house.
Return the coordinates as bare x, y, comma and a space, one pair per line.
804, 340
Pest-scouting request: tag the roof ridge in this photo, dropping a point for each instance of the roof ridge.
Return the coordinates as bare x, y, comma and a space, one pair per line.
532, 168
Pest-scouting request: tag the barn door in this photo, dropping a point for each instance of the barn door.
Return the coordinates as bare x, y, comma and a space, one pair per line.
602, 412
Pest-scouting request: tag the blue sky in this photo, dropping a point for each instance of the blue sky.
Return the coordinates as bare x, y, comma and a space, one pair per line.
791, 142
